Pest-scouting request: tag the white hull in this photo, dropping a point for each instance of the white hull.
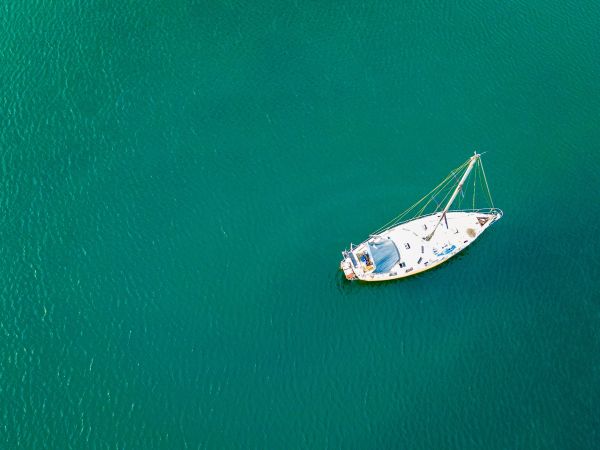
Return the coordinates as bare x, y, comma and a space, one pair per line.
416, 254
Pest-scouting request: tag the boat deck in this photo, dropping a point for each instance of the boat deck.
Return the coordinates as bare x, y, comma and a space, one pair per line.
415, 253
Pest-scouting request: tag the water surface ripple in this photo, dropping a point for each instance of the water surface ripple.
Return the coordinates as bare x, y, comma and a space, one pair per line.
178, 179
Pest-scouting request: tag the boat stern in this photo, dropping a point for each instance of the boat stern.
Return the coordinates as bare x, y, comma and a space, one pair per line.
346, 267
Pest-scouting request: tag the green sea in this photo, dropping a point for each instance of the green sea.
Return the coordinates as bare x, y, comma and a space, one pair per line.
178, 179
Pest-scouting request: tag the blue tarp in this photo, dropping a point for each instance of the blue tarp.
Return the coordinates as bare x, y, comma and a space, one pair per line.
444, 251
385, 255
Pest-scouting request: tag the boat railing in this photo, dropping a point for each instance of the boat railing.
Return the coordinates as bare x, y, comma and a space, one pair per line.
496, 211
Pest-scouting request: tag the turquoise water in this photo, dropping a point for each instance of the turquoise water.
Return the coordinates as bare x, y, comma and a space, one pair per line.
179, 178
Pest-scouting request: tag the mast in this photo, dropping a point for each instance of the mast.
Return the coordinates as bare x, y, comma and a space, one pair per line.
474, 159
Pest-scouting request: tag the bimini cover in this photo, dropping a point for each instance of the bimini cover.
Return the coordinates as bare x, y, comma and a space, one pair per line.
385, 255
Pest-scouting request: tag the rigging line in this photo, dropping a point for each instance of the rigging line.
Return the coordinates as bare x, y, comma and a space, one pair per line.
440, 205
482, 187
441, 189
461, 197
444, 185
444, 200
457, 181
486, 186
483, 190
440, 186
432, 197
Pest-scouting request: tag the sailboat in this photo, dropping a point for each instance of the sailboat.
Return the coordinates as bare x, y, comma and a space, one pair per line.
420, 239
